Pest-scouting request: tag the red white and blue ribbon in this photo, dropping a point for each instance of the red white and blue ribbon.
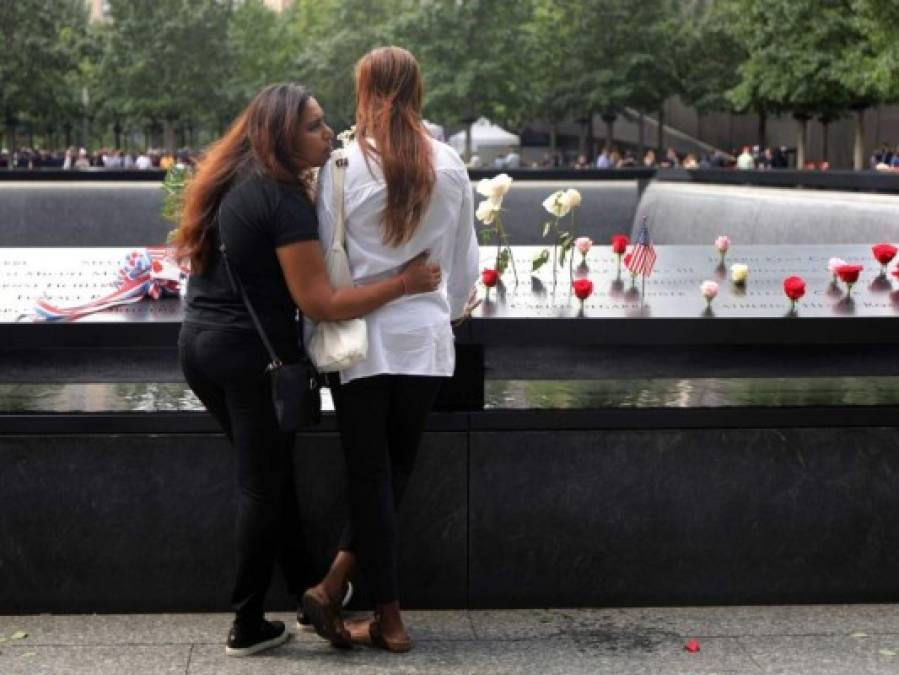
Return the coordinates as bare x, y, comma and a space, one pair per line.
147, 272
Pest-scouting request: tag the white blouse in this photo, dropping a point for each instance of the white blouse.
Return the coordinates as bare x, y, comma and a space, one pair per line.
411, 335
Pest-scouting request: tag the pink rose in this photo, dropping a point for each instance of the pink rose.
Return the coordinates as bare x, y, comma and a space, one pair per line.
583, 244
709, 290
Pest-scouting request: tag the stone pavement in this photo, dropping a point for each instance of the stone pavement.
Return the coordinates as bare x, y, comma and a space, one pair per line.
784, 639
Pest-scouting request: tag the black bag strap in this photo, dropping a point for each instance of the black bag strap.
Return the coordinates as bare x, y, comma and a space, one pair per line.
237, 287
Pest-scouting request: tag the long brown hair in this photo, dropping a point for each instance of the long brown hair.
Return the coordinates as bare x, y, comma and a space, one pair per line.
389, 93
265, 139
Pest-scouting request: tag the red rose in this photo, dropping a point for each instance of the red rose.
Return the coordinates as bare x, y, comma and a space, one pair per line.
884, 253
794, 287
489, 277
157, 266
583, 288
849, 273
619, 244
692, 646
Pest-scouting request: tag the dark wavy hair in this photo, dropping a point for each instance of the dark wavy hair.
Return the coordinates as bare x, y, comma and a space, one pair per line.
264, 139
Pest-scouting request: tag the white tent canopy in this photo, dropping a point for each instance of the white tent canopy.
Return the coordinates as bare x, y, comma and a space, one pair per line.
435, 130
485, 134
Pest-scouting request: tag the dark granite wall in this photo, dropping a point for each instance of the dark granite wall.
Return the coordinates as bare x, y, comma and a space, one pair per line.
510, 515
116, 523
594, 518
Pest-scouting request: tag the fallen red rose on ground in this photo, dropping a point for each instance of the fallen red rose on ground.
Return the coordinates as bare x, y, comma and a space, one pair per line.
692, 646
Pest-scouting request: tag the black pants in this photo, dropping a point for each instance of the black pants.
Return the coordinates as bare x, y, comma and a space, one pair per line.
225, 369
381, 420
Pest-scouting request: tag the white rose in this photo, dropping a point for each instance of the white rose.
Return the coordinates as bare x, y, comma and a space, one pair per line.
494, 188
739, 273
833, 264
555, 204
571, 198
487, 211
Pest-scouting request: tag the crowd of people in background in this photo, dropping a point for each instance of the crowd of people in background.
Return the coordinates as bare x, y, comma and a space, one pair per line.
614, 158
102, 158
885, 158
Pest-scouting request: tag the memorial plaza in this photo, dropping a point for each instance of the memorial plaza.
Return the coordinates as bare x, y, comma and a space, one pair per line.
670, 441
820, 639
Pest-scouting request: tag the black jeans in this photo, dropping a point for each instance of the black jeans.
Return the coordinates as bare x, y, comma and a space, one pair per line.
381, 420
226, 370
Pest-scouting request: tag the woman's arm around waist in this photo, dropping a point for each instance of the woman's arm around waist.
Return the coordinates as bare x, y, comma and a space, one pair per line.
303, 266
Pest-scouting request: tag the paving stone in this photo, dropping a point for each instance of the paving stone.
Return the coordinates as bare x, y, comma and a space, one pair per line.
824, 655
93, 660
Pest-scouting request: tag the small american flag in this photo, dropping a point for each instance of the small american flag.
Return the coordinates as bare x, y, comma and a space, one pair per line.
643, 257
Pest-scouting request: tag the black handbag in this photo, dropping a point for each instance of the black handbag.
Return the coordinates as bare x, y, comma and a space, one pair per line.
296, 388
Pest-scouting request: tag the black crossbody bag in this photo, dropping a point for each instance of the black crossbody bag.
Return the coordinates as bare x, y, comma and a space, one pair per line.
295, 387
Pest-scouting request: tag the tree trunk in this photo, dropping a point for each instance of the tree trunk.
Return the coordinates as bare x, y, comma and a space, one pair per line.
117, 130
582, 138
591, 140
825, 130
553, 138
11, 136
168, 134
467, 156
641, 134
858, 150
802, 127
660, 140
763, 131
610, 130
730, 132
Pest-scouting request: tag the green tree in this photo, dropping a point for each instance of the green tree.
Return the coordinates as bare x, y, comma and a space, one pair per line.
333, 35
164, 63
795, 53
706, 57
878, 64
262, 48
613, 54
40, 41
473, 63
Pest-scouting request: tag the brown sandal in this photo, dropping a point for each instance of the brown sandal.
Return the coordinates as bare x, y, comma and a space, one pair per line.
378, 639
325, 616
359, 630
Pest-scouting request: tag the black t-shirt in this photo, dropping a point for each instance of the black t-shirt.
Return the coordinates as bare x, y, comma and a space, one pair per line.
257, 216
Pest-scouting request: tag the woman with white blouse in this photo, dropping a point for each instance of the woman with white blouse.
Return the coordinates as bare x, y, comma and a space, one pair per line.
404, 193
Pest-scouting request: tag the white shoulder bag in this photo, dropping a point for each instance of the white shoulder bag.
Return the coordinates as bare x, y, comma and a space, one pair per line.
338, 345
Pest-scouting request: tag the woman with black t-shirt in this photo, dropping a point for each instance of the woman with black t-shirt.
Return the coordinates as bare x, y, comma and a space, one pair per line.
247, 194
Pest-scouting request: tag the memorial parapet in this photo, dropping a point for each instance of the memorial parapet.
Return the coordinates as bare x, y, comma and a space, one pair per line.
788, 482
671, 309
537, 310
